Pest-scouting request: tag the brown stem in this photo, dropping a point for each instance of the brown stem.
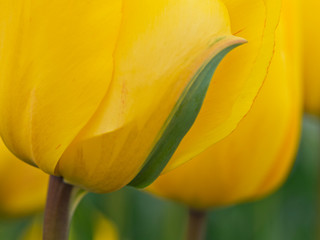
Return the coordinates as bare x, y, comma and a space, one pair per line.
197, 224
58, 208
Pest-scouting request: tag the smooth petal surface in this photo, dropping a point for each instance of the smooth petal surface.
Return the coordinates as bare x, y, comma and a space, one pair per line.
311, 52
257, 156
23, 188
238, 78
56, 63
161, 46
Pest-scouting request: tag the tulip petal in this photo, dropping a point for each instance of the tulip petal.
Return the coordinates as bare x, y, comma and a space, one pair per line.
291, 42
56, 63
161, 46
311, 52
237, 79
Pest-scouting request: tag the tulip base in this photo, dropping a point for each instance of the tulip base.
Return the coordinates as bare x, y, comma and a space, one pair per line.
62, 200
197, 224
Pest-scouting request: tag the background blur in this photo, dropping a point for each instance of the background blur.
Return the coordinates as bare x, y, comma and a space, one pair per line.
290, 213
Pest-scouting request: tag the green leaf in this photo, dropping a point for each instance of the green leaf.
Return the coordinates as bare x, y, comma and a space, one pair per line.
180, 120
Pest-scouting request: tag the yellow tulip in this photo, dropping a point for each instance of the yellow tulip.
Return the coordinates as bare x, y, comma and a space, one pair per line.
311, 52
256, 157
22, 188
93, 91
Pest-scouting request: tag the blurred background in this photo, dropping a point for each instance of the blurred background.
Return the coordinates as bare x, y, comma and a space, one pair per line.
290, 213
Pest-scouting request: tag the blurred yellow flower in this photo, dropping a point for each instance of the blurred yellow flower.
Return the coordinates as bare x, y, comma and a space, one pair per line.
93, 91
34, 230
104, 230
22, 188
256, 157
310, 19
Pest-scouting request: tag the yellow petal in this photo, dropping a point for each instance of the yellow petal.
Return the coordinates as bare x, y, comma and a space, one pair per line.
237, 79
311, 52
55, 67
257, 156
292, 52
161, 46
23, 188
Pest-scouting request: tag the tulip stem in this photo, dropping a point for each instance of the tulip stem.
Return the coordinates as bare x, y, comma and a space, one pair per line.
197, 224
62, 199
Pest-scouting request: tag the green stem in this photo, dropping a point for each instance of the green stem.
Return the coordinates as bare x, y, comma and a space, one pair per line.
197, 224
62, 200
